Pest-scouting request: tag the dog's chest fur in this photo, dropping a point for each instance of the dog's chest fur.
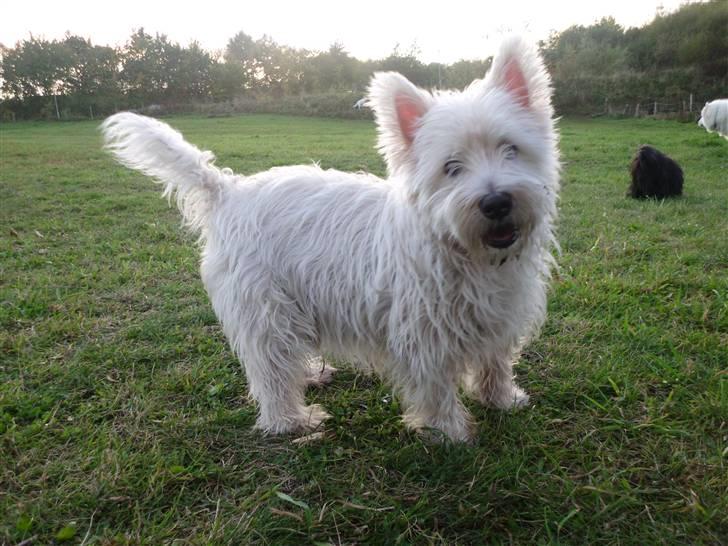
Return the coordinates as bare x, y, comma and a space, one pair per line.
464, 306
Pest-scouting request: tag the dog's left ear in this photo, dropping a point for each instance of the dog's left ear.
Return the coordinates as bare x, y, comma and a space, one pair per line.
519, 70
398, 107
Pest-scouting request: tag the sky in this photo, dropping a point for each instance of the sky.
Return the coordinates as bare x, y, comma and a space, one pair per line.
440, 32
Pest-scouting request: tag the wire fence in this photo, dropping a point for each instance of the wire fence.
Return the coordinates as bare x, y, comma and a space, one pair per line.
687, 107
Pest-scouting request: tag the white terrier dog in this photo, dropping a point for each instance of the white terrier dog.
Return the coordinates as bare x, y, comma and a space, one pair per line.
714, 117
434, 278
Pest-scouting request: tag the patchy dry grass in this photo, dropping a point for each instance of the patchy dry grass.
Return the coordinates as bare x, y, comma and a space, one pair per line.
123, 417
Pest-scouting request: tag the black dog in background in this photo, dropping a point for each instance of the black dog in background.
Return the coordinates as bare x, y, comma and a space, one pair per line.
654, 175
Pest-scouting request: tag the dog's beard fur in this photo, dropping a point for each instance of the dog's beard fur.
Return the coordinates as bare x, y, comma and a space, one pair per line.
408, 276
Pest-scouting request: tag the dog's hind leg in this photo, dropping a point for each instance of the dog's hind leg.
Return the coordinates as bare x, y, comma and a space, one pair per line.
278, 373
275, 341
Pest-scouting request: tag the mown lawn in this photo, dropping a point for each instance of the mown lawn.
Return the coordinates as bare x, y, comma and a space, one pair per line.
124, 419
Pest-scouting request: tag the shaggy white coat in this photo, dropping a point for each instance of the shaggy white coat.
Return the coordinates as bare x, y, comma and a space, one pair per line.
714, 117
396, 275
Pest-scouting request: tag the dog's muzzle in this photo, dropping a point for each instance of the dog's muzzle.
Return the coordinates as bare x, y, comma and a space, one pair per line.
497, 206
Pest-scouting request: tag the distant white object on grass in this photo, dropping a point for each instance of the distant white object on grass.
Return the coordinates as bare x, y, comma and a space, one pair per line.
361, 103
714, 117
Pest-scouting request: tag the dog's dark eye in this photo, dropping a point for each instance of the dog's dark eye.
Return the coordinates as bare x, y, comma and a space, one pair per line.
453, 167
510, 151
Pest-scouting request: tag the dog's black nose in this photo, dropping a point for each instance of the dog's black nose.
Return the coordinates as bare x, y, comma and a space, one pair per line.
496, 205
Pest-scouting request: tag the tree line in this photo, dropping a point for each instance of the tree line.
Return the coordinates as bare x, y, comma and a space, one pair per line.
593, 67
604, 66
152, 71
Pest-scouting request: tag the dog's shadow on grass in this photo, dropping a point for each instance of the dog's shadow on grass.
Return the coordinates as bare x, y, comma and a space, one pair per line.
366, 415
365, 430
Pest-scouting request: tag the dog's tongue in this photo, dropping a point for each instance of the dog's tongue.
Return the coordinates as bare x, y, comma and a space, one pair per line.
503, 233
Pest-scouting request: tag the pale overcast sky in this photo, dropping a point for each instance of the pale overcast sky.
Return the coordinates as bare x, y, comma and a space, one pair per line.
444, 30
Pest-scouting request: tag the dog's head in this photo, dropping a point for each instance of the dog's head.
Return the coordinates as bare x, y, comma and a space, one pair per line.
705, 115
480, 166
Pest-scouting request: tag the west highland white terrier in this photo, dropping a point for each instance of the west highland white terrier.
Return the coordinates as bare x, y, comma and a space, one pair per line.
434, 278
714, 117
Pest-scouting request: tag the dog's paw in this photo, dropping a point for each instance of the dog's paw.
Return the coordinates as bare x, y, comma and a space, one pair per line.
520, 399
319, 373
314, 417
433, 435
443, 428
305, 419
509, 399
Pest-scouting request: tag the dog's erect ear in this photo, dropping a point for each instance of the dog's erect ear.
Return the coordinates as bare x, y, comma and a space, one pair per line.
519, 70
398, 107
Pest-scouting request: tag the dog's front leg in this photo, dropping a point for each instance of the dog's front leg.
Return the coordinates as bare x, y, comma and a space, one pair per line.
492, 383
430, 397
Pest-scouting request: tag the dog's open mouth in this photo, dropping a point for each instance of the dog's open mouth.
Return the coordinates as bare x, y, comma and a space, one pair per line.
501, 236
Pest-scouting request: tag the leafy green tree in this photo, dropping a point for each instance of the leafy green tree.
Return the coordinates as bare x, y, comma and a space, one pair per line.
149, 65
90, 80
333, 70
694, 37
407, 64
241, 53
597, 49
35, 67
460, 74
226, 81
190, 73
271, 69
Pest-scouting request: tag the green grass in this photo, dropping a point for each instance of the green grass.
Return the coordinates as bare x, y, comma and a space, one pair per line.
123, 415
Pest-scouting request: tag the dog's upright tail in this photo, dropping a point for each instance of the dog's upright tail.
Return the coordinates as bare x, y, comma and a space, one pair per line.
157, 150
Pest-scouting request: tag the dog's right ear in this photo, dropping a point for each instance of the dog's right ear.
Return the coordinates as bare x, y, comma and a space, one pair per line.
398, 108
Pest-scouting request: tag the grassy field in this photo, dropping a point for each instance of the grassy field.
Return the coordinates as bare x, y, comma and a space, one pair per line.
123, 415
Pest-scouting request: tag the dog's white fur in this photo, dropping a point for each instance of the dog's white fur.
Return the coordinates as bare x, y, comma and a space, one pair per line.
714, 117
397, 275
